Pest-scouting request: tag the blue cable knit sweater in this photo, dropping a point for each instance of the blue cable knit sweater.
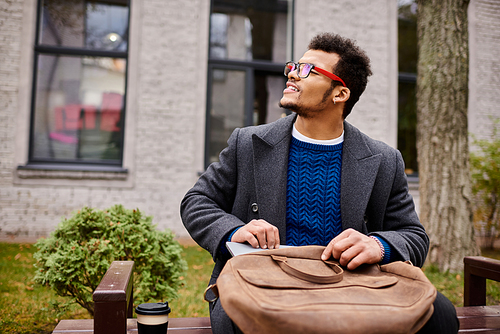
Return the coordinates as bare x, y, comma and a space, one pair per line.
313, 193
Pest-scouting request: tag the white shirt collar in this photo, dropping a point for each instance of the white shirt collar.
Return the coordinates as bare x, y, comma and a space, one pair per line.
297, 135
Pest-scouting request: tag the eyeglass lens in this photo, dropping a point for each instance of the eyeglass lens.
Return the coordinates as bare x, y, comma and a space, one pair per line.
303, 72
289, 67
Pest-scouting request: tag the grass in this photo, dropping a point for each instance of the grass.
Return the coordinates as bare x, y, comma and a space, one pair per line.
29, 308
190, 302
26, 307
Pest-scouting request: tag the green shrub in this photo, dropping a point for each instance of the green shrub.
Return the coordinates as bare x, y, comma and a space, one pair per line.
76, 256
485, 172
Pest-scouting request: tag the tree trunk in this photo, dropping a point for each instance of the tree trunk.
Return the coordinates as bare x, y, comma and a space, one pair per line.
442, 138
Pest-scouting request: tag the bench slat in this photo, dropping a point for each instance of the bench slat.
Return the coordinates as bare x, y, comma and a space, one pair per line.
478, 311
479, 319
177, 325
480, 323
65, 326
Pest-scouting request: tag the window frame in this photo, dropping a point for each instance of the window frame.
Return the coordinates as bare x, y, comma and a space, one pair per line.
39, 50
250, 67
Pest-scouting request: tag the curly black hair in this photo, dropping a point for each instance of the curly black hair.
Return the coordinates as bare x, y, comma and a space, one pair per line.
353, 66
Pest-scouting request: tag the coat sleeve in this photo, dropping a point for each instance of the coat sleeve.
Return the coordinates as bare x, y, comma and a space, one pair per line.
205, 209
401, 226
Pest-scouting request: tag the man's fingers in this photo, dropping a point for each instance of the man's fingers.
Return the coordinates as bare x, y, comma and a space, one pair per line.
258, 233
251, 239
338, 245
352, 249
276, 239
349, 257
327, 252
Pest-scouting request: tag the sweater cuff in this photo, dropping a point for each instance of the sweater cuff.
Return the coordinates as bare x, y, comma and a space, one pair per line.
386, 250
222, 247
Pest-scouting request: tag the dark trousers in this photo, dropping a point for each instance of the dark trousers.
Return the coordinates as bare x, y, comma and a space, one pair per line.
443, 321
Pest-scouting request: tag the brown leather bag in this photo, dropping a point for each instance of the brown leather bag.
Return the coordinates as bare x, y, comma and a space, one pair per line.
291, 290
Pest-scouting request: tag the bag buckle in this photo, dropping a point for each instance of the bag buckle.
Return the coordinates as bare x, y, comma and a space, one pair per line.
215, 290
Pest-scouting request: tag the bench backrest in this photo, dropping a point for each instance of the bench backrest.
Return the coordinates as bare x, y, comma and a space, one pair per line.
476, 270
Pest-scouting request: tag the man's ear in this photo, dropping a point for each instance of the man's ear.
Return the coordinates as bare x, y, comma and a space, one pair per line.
341, 94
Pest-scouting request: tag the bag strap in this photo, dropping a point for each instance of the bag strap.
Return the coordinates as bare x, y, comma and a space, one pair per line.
286, 267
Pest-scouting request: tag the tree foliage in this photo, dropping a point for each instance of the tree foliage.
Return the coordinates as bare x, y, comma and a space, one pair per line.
73, 260
485, 172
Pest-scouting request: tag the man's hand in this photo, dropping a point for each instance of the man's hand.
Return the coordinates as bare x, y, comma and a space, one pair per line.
258, 233
353, 249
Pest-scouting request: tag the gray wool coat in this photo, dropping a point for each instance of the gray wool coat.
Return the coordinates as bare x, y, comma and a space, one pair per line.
249, 182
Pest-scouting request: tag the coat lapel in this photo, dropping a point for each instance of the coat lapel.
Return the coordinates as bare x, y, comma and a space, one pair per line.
270, 160
359, 171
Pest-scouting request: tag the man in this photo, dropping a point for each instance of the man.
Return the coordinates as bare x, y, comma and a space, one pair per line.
312, 178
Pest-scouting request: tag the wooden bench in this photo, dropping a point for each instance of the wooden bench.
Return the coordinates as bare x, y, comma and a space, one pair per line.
113, 309
475, 317
113, 300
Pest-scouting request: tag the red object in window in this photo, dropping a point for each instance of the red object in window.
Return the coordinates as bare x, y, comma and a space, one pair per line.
111, 111
89, 117
70, 116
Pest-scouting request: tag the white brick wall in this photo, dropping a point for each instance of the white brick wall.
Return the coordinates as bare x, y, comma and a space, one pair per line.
11, 209
484, 78
10, 35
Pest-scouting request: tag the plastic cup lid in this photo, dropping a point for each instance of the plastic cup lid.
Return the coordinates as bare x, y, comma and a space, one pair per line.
153, 309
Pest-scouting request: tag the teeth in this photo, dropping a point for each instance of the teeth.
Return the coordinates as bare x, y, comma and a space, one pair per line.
293, 88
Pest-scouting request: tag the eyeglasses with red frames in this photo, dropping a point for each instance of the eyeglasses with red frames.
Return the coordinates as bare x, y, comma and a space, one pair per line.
304, 69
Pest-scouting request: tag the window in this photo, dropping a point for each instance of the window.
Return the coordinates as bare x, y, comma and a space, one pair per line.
407, 99
78, 104
250, 41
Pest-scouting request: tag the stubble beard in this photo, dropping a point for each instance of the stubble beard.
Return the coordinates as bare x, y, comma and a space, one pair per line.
307, 112
298, 109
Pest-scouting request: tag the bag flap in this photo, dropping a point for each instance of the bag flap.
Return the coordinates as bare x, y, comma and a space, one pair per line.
280, 280
250, 268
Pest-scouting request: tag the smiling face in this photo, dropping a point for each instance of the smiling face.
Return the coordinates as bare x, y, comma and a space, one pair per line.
313, 94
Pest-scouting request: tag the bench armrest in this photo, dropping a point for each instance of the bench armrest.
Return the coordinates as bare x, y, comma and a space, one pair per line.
476, 270
113, 299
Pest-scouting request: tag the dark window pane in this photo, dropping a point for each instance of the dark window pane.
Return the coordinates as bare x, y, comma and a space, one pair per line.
268, 90
407, 66
93, 25
407, 125
78, 112
228, 108
407, 36
250, 29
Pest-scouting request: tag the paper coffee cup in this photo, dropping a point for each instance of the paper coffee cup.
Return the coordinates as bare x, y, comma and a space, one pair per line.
152, 318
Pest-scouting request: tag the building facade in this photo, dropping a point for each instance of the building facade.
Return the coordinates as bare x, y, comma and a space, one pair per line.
133, 114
